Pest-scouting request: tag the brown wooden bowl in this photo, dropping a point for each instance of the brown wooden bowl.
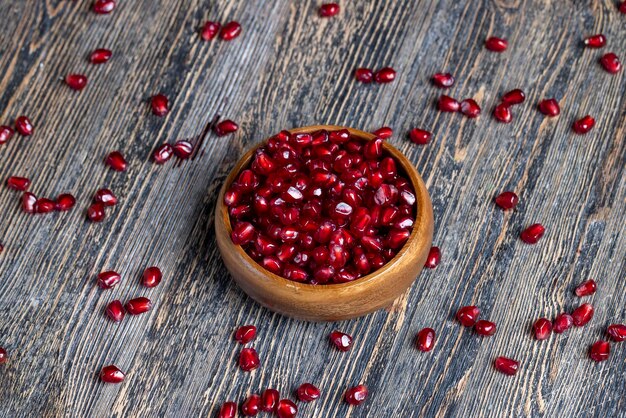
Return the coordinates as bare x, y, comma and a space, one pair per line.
330, 302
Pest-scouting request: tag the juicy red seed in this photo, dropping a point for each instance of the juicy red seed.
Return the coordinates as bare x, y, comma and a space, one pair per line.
29, 202
549, 107
502, 113
138, 306
209, 30
584, 125
468, 315
116, 161
95, 212
562, 323
182, 149
108, 279
542, 328
115, 311
162, 153
617, 332
611, 63
470, 108
269, 400
6, 132
3, 355
342, 341
64, 202
532, 234
485, 328
286, 409
308, 392
595, 41
251, 406
599, 351
443, 80
243, 233
151, 277
496, 44
248, 359
44, 205
106, 197
230, 31
506, 365
419, 136
225, 127
582, 315
586, 288
111, 374
506, 200
228, 410
434, 256
18, 183
513, 97
385, 75
622, 7
76, 81
356, 395
364, 75
103, 7
448, 104
245, 334
383, 133
23, 126
426, 339
100, 56
328, 9
160, 105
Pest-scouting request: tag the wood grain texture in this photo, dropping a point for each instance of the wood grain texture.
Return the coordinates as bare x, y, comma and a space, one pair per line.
290, 68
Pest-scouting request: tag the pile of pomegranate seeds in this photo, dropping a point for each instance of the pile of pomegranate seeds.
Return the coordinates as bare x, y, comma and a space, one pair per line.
230, 31
586, 288
583, 125
506, 200
443, 80
532, 234
100, 56
434, 256
356, 395
159, 104
322, 207
496, 44
103, 7
425, 339
342, 341
328, 9
225, 127
506, 365
595, 41
549, 107
76, 81
611, 63
111, 374
3, 355
245, 334
382, 76
308, 392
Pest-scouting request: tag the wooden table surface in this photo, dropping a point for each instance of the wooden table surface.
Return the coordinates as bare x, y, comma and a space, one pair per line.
292, 68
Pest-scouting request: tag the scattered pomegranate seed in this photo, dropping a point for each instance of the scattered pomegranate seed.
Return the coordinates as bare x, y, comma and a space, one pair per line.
426, 339
29, 202
225, 127
23, 126
385, 75
162, 154
103, 7
542, 328
286, 409
111, 374
151, 277
383, 133
228, 410
230, 31
248, 359
448, 104
269, 400
6, 132
251, 406
610, 62
209, 30
356, 395
470, 108
342, 341
245, 334
434, 256
617, 332
138, 305
485, 328
100, 56
584, 125
622, 7
115, 311
18, 183
582, 315
76, 81
506, 200
502, 113
364, 75
106, 197
506, 365
600, 351
419, 136
513, 97
586, 288
532, 234
328, 9
160, 105
182, 149
562, 323
3, 355
116, 161
468, 315
95, 212
64, 202
496, 44
44, 205
443, 80
108, 279
595, 41
308, 392
549, 107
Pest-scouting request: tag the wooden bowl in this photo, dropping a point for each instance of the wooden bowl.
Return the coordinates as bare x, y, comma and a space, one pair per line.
330, 302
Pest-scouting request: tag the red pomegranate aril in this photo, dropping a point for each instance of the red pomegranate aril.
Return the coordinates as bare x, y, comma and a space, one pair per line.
209, 30
3, 355
622, 7
245, 334
397, 237
364, 75
115, 311
426, 339
116, 161
506, 200
599, 351
583, 125
111, 374
272, 264
506, 365
470, 108
243, 233
542, 328
228, 410
269, 400
162, 154
443, 80
248, 359
182, 149
383, 133
108, 279
103, 7
468, 315
225, 127
549, 107
286, 409
44, 205
106, 197
328, 9
251, 406
434, 256
586, 288
532, 234
6, 133
138, 306
356, 395
64, 202
151, 277
24, 126
342, 341
562, 323
18, 183
230, 31
385, 75
448, 104
513, 97
617, 332
95, 212
160, 105
582, 315
496, 44
29, 202
76, 81
308, 392
485, 328
502, 113
420, 136
595, 41
611, 63
100, 56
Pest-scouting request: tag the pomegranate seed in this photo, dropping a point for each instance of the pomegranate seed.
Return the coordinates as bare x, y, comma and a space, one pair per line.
209, 30
582, 315
549, 107
364, 75
44, 205
496, 44
584, 125
29, 202
468, 315
243, 233
610, 62
385, 75
228, 410
245, 334
356, 395
6, 132
542, 328
251, 406
595, 41
470, 108
248, 359
307, 392
506, 365
108, 279
506, 200
115, 311
485, 328
622, 7
286, 409
116, 161
328, 9
230, 31
443, 80
532, 234
434, 256
599, 351
138, 306
95, 212
182, 149
342, 341
426, 339
383, 133
160, 105
106, 197
269, 400
225, 127
151, 277
24, 126
162, 154
562, 323
448, 104
617, 332
419, 136
111, 374
100, 56
586, 288
18, 183
513, 97
3, 355
76, 81
502, 113
64, 202
103, 7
